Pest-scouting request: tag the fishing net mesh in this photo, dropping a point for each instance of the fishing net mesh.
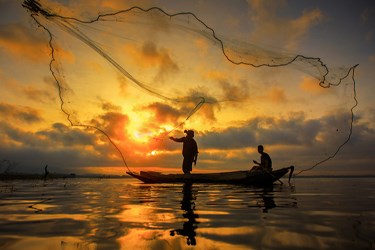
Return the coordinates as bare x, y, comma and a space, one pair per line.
136, 76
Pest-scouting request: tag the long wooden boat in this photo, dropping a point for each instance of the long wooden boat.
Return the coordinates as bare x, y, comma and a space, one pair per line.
255, 178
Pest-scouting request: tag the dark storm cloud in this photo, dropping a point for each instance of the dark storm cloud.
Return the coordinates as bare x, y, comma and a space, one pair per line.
291, 131
13, 136
19, 113
294, 130
231, 138
252, 133
355, 157
60, 134
60, 146
294, 141
63, 160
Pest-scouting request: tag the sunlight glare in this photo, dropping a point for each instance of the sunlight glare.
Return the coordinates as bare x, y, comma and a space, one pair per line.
153, 153
141, 137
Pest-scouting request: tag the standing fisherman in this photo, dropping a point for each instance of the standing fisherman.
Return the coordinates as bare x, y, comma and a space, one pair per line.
189, 150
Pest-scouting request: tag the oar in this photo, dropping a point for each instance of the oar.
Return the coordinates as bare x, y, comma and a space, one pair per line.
291, 172
270, 173
275, 177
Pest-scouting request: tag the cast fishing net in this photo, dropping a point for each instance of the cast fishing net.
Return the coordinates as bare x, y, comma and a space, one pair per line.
135, 76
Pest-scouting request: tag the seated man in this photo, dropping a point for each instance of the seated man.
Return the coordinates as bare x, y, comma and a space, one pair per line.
265, 161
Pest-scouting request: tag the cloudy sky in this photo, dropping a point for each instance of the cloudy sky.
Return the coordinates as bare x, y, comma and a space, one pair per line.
239, 73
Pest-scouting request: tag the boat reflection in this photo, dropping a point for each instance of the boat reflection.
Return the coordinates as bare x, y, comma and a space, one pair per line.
188, 206
265, 198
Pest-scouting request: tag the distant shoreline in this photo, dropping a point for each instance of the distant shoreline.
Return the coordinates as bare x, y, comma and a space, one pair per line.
335, 176
25, 176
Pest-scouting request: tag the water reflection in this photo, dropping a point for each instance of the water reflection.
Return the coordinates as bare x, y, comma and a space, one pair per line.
267, 198
188, 206
124, 214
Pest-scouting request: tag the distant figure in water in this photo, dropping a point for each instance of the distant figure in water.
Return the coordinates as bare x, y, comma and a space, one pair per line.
45, 172
189, 150
265, 161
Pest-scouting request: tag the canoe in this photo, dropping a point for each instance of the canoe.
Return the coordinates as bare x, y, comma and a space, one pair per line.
255, 178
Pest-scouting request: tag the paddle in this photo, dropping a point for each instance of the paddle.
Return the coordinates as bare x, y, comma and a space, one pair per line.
266, 171
291, 172
270, 173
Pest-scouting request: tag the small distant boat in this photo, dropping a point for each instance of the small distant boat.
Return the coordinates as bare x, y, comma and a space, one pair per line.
255, 178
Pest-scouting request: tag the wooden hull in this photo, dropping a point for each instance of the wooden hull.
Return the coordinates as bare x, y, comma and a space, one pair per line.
234, 177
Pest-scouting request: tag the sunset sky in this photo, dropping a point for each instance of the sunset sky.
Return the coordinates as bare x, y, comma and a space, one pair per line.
141, 77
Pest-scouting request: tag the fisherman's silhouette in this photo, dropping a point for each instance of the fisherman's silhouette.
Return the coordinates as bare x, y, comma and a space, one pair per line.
189, 150
188, 206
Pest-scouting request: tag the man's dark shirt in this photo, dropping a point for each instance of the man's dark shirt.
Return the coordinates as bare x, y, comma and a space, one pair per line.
189, 147
265, 161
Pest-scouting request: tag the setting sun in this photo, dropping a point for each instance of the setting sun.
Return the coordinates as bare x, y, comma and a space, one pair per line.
190, 124
140, 77
140, 137
153, 153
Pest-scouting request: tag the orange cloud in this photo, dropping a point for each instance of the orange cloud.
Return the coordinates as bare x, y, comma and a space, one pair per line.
151, 56
299, 27
310, 85
25, 42
287, 32
215, 75
111, 5
83, 8
163, 113
21, 42
37, 94
113, 122
235, 91
202, 44
276, 95
42, 93
19, 113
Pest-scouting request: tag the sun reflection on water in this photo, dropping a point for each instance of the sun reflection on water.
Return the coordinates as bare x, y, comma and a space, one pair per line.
123, 214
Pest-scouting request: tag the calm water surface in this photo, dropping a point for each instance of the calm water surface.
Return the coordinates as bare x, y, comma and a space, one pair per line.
312, 213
